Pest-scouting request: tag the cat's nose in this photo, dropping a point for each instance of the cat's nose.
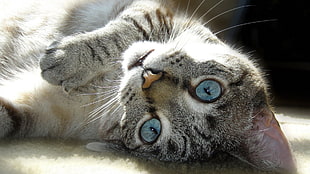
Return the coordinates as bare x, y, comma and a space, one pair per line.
150, 76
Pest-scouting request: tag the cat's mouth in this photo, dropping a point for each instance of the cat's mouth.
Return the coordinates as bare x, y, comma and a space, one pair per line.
140, 60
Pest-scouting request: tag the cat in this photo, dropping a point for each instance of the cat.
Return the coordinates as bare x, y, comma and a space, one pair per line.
137, 76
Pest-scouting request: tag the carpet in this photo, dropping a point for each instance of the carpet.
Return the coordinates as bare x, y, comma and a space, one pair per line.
50, 156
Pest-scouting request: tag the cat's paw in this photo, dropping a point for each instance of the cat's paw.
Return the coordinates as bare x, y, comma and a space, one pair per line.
67, 63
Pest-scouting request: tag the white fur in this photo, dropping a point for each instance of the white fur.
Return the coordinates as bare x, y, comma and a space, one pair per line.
24, 82
29, 90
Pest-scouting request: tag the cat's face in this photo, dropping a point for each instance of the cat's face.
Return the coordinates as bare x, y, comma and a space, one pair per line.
189, 97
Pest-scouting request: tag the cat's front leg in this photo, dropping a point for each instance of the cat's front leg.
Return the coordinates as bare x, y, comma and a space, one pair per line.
76, 60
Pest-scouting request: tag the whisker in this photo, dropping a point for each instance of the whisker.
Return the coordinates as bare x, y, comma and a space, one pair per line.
96, 113
187, 7
98, 101
113, 109
114, 99
182, 29
244, 24
184, 41
117, 108
91, 94
228, 11
112, 81
174, 32
94, 116
99, 93
92, 120
213, 7
107, 95
196, 10
104, 87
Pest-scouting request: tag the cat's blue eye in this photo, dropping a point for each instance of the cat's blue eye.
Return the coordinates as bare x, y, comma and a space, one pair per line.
150, 130
209, 90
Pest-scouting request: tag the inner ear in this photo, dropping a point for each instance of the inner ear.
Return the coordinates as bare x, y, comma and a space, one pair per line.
265, 145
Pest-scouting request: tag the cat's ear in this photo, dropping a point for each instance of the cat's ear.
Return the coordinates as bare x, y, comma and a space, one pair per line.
265, 146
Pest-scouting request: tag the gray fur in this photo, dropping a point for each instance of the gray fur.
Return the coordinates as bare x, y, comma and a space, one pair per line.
102, 60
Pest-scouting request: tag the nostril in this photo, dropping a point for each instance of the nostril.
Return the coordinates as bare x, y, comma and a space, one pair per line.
150, 76
154, 71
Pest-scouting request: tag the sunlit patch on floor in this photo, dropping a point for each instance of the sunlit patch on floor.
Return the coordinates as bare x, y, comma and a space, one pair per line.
35, 156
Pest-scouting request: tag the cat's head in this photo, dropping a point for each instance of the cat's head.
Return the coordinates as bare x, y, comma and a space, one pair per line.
193, 95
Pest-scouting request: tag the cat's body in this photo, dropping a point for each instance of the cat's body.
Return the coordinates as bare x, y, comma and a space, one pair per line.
24, 38
177, 94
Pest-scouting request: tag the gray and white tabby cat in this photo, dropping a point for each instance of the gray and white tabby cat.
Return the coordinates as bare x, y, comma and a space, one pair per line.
137, 77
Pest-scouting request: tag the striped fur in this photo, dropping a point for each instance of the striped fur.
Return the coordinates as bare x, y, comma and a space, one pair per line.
19, 64
80, 73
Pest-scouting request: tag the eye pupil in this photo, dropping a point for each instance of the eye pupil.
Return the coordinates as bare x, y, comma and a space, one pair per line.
208, 90
154, 130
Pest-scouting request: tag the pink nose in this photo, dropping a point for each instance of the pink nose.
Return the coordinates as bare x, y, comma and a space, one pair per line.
150, 78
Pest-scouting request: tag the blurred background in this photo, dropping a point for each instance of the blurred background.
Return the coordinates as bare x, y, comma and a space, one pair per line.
274, 32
